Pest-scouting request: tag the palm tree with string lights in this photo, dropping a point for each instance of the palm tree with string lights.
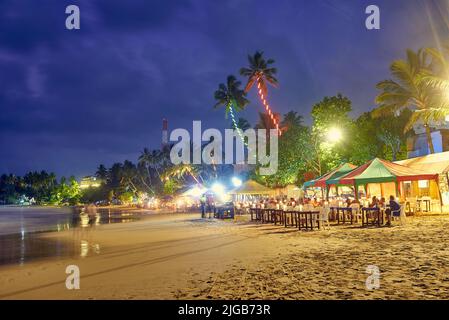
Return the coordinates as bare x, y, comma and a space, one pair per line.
260, 73
232, 98
242, 124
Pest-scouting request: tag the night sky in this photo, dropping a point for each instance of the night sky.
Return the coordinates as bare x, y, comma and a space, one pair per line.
72, 99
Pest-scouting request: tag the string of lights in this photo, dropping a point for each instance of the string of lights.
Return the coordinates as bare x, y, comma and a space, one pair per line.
267, 106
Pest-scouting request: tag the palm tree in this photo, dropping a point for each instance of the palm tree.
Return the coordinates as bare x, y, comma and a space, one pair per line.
128, 176
151, 160
409, 90
144, 166
260, 73
181, 170
102, 173
242, 124
291, 119
265, 121
438, 79
144, 160
231, 97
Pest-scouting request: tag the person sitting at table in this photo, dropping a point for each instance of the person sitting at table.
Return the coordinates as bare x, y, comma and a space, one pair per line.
394, 207
374, 202
382, 202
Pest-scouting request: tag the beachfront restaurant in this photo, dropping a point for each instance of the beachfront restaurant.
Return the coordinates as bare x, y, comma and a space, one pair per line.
416, 188
329, 182
248, 194
437, 163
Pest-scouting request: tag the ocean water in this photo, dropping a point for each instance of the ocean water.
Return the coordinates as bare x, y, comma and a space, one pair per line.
21, 231
22, 220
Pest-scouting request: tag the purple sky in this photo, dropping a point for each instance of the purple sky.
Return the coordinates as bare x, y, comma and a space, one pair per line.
72, 99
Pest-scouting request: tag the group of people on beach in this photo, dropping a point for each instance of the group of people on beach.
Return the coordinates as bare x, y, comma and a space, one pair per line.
285, 203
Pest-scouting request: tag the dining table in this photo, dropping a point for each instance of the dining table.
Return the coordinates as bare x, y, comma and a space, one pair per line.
378, 214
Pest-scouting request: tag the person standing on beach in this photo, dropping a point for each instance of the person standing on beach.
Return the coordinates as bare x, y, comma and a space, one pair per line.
203, 204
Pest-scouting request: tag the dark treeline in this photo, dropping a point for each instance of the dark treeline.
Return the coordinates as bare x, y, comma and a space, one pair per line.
39, 188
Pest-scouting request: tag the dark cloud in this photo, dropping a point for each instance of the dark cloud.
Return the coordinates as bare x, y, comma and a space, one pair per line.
70, 100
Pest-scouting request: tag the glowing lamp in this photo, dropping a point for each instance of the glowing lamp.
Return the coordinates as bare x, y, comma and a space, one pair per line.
334, 135
218, 189
236, 182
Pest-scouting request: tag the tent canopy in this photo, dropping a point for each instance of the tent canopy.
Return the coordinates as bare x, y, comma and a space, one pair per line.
251, 187
432, 163
379, 171
333, 175
310, 183
196, 191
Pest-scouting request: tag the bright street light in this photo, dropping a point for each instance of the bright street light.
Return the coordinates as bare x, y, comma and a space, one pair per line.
236, 182
218, 189
197, 191
334, 135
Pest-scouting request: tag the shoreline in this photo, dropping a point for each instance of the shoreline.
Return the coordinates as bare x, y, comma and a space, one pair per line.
39, 219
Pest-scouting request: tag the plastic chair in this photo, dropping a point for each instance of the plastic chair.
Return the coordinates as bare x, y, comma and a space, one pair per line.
324, 217
356, 212
399, 215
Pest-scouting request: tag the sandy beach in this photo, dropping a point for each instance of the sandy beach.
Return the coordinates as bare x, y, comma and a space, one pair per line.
180, 256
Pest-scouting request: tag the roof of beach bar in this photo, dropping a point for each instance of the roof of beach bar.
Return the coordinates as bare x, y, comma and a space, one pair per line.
431, 163
310, 183
378, 171
334, 175
251, 187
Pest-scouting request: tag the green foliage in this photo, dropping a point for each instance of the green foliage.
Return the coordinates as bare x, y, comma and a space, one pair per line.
416, 84
170, 187
126, 197
40, 187
292, 151
330, 113
230, 95
365, 141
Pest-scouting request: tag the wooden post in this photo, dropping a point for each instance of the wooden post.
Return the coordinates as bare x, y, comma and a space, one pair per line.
396, 183
437, 180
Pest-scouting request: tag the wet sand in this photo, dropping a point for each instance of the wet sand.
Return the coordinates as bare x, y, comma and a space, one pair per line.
180, 256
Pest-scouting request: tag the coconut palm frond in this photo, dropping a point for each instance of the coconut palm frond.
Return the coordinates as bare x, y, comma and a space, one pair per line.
259, 71
230, 95
384, 110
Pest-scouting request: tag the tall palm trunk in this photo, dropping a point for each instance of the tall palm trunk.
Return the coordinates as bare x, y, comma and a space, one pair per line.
234, 122
429, 139
266, 105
